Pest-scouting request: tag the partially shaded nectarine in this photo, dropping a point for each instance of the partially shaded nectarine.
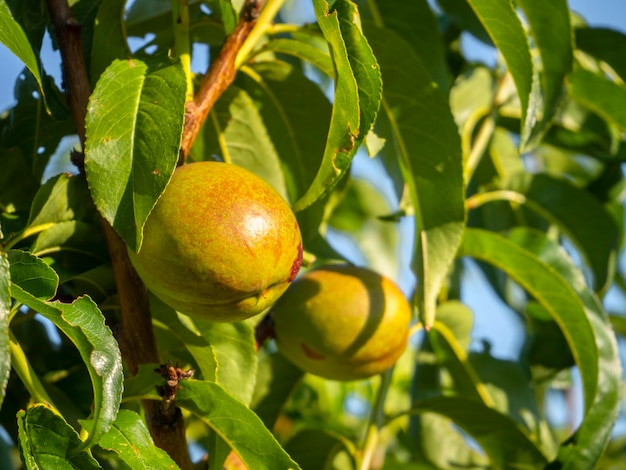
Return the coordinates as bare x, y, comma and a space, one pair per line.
220, 244
342, 322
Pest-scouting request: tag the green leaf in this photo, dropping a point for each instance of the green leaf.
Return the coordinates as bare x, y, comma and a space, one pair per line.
27, 126
503, 440
357, 215
235, 355
504, 27
17, 183
109, 38
451, 355
73, 247
602, 96
32, 16
356, 97
422, 136
276, 379
416, 23
47, 441
550, 289
239, 427
585, 446
83, 323
550, 26
295, 115
235, 131
508, 383
134, 125
604, 44
187, 337
460, 13
572, 208
130, 439
32, 274
14, 38
61, 198
304, 51
5, 310
316, 448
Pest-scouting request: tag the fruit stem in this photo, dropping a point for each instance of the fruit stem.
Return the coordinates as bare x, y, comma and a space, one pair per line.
365, 456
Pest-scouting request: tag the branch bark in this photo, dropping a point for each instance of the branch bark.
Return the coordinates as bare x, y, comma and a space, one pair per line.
220, 75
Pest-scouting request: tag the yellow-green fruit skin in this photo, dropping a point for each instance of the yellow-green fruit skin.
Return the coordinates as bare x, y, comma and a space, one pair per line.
220, 243
342, 322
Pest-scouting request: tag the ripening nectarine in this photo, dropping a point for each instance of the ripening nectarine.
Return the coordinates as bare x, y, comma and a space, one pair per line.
342, 322
220, 244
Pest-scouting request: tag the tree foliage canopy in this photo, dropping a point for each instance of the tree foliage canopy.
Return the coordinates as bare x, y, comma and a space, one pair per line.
515, 165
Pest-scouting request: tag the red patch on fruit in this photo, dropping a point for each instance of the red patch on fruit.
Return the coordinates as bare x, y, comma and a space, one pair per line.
295, 267
310, 353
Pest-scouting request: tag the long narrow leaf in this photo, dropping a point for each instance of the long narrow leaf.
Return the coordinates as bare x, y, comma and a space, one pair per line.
551, 290
417, 24
134, 125
83, 323
422, 136
47, 441
130, 439
604, 97
505, 29
14, 38
570, 208
503, 440
550, 26
356, 99
239, 427
584, 448
5, 307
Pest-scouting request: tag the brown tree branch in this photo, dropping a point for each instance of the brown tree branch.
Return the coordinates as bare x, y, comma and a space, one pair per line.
220, 75
136, 337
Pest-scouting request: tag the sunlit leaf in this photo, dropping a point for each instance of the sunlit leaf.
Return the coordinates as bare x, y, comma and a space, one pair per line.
356, 98
548, 288
426, 143
571, 208
130, 439
235, 356
604, 97
505, 29
604, 44
134, 124
586, 445
295, 115
550, 27
304, 51
416, 23
83, 323
504, 442
32, 274
47, 441
5, 307
14, 38
234, 423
